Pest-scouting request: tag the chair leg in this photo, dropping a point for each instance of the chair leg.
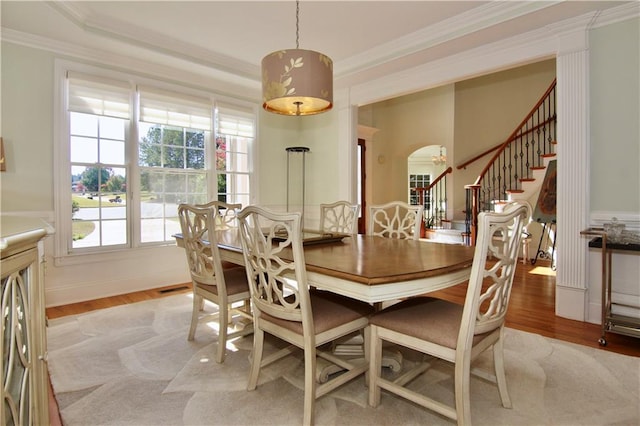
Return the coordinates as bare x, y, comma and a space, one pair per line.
375, 364
309, 385
501, 379
197, 302
462, 378
256, 357
366, 346
223, 322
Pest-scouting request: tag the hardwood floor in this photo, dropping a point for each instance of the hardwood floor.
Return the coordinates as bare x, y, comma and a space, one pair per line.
532, 309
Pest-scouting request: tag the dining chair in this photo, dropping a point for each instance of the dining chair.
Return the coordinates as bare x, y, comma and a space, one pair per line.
341, 216
284, 305
226, 287
453, 332
395, 219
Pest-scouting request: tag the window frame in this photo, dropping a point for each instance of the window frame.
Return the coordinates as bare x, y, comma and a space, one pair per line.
62, 172
424, 177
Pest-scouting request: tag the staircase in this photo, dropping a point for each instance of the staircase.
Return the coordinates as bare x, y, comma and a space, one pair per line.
518, 166
515, 172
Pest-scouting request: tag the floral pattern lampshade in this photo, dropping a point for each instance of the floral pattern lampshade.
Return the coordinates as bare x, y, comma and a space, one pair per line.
297, 82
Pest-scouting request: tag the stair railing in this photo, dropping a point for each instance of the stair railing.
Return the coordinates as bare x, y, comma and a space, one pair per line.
434, 198
513, 161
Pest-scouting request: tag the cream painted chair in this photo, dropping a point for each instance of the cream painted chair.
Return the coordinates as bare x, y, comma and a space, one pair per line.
396, 219
227, 288
455, 333
284, 305
341, 216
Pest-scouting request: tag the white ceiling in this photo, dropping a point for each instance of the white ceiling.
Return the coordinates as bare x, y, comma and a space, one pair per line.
227, 39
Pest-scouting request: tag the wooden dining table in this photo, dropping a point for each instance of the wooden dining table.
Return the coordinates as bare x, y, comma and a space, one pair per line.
370, 268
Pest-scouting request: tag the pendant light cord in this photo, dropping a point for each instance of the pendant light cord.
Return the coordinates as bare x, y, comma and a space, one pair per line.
297, 24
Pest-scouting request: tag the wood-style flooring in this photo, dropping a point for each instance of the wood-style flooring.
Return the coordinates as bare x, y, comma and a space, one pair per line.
532, 309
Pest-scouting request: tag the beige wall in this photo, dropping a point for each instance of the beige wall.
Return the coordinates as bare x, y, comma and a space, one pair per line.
406, 124
488, 109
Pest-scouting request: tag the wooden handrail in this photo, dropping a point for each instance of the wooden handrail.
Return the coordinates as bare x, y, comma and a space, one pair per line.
515, 132
478, 194
514, 136
435, 181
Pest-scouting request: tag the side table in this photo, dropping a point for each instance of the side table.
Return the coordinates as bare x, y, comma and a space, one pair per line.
611, 322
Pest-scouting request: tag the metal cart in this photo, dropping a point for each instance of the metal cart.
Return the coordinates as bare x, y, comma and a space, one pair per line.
611, 322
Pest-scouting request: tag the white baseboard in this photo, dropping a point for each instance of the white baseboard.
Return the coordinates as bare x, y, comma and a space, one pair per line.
571, 302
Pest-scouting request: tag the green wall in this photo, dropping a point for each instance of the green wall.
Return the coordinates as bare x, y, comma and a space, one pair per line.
615, 117
27, 129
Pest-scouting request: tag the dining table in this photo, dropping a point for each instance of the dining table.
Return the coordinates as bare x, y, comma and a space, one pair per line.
369, 268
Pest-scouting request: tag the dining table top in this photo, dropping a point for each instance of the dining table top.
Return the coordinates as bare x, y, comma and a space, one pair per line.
372, 268
373, 260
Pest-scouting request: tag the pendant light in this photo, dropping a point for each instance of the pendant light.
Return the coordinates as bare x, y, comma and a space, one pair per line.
439, 159
297, 81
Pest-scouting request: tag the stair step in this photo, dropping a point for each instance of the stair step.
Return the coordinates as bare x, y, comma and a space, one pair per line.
537, 167
549, 155
527, 180
514, 191
450, 236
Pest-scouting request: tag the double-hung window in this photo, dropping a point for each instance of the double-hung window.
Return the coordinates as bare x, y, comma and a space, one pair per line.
234, 138
174, 133
130, 152
99, 119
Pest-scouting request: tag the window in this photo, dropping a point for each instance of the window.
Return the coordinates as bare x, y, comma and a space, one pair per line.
233, 141
99, 116
133, 152
174, 132
419, 181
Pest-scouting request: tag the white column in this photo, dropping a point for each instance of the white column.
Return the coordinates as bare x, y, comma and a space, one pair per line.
572, 207
347, 145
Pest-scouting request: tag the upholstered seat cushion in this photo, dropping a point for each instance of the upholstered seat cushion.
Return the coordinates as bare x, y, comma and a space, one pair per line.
330, 310
425, 318
235, 280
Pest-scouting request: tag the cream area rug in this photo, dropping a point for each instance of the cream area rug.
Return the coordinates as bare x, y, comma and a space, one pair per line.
133, 365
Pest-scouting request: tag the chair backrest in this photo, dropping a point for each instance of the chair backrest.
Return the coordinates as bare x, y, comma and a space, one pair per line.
490, 283
275, 264
225, 213
396, 219
341, 216
198, 225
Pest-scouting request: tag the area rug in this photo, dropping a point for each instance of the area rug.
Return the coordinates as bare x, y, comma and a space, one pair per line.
133, 365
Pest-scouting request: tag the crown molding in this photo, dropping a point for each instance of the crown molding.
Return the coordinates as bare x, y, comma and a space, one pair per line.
622, 13
228, 84
543, 43
145, 39
240, 77
461, 25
